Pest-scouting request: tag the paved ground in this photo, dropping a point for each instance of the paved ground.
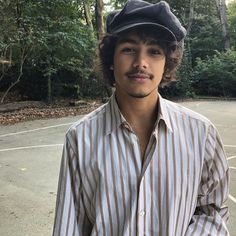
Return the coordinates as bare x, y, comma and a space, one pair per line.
30, 155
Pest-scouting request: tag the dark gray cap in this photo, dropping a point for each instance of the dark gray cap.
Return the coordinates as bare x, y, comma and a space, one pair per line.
137, 13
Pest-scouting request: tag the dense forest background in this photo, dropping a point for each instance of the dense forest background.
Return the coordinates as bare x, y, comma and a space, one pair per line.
47, 48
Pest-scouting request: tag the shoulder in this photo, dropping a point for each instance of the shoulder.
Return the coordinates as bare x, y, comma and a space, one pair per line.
182, 112
183, 117
191, 123
89, 120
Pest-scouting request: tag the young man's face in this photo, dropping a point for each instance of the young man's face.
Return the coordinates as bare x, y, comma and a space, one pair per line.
138, 66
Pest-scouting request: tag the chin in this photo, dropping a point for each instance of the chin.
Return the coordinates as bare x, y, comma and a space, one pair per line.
138, 95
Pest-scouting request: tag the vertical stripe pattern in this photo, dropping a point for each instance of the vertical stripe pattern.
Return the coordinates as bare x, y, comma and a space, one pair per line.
105, 188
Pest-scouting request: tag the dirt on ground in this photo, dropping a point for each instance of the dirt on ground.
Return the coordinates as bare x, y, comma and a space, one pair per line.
12, 112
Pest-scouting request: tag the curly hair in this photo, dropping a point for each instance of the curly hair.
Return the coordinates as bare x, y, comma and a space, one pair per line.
106, 49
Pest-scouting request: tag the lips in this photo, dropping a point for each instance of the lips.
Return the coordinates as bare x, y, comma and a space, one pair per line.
139, 77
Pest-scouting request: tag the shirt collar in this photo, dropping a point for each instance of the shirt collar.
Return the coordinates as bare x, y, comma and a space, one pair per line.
163, 113
114, 118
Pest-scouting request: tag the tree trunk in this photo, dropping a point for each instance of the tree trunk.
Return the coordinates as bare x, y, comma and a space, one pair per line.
99, 18
190, 21
49, 95
6, 61
22, 61
190, 17
24, 49
221, 6
87, 14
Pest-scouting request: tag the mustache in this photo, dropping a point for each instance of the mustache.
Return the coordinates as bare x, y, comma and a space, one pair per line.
135, 72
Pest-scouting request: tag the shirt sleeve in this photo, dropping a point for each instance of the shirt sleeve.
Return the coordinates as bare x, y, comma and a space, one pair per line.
210, 215
70, 215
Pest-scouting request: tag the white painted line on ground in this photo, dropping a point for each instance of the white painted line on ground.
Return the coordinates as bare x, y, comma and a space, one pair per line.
29, 147
32, 130
230, 145
232, 198
232, 157
233, 168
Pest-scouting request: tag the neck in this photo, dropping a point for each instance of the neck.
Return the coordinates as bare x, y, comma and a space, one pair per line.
142, 111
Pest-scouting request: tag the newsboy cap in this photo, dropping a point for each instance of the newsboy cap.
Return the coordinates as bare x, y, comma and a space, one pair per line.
137, 13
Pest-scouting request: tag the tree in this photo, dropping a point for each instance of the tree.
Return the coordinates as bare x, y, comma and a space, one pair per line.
65, 42
58, 39
99, 7
216, 75
87, 13
47, 47
232, 23
18, 39
221, 6
206, 37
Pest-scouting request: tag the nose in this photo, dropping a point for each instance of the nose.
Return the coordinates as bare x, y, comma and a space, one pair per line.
140, 61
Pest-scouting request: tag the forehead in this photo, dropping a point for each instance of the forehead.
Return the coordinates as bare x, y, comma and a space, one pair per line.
137, 37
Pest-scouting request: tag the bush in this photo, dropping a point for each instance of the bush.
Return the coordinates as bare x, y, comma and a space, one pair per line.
216, 76
181, 88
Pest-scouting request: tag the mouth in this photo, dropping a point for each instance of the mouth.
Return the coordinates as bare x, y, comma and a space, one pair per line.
139, 77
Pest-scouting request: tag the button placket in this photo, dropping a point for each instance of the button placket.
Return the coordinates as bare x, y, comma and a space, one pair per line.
142, 213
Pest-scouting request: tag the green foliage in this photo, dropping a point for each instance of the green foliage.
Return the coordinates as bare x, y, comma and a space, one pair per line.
182, 87
232, 23
205, 39
56, 41
59, 49
66, 44
206, 34
216, 76
118, 4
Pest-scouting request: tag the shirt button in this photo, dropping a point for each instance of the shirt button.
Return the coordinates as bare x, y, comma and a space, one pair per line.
142, 213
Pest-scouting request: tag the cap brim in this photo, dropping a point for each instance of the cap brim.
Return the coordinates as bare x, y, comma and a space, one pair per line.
167, 34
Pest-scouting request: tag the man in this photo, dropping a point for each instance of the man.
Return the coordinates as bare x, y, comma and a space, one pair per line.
140, 164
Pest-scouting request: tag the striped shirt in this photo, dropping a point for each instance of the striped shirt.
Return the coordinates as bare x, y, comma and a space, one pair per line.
106, 189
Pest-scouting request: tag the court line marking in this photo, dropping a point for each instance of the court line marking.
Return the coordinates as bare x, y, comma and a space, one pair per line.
29, 147
231, 167
232, 198
56, 145
230, 145
232, 157
32, 130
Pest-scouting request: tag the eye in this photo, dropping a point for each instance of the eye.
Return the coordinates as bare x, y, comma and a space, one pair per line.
128, 50
155, 52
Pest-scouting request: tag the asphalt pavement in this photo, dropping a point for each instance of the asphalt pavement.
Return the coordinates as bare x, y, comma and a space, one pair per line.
30, 154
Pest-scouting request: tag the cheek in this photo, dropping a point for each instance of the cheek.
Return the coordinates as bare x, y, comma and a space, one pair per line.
116, 68
120, 61
121, 65
157, 69
160, 68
